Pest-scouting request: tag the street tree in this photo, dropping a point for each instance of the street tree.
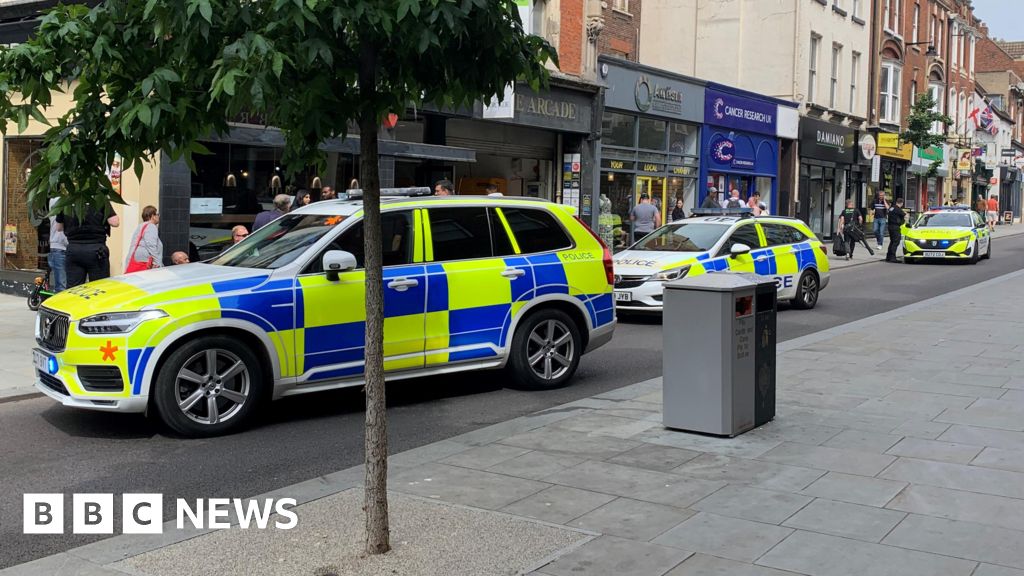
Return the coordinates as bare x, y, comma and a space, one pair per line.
921, 127
148, 76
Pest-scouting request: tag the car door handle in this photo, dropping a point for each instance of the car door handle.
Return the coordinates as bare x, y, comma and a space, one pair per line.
403, 284
761, 259
513, 273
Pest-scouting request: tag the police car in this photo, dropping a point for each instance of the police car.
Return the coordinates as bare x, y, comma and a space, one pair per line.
782, 248
469, 283
947, 233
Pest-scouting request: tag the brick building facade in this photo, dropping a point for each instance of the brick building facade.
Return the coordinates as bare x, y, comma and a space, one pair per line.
621, 34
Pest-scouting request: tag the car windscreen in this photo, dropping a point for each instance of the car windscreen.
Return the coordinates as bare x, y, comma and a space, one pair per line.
688, 237
944, 220
280, 242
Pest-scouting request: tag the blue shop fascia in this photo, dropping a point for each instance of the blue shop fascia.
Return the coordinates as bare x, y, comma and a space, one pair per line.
741, 143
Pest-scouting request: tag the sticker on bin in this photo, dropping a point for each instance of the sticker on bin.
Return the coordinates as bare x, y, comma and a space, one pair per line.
744, 306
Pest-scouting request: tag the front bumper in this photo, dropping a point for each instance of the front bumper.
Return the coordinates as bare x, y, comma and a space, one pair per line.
131, 404
646, 297
914, 250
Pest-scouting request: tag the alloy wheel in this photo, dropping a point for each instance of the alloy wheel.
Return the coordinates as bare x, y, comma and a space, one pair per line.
212, 386
550, 349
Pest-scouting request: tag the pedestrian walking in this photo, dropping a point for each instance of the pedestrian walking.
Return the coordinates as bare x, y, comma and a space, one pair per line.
58, 254
88, 257
881, 208
992, 215
645, 217
895, 217
281, 203
147, 249
678, 213
849, 222
711, 200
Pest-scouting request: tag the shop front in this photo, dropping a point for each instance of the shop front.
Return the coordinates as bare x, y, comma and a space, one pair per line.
894, 158
1009, 193
650, 144
928, 185
739, 145
827, 161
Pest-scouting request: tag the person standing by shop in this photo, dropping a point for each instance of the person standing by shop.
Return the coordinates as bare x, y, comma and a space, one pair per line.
147, 249
754, 203
993, 212
895, 217
58, 253
678, 213
281, 203
711, 200
88, 257
880, 207
645, 217
734, 200
849, 222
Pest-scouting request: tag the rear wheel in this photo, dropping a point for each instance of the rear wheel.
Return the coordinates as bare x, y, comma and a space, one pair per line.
209, 386
807, 289
546, 350
34, 300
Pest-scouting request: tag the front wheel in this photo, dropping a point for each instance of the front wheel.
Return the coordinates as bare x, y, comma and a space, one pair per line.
546, 350
974, 253
988, 252
210, 386
34, 300
807, 289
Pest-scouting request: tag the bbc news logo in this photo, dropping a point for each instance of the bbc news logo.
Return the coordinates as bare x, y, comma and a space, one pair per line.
144, 513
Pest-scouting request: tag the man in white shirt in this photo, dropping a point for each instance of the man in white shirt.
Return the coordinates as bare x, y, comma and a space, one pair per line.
58, 252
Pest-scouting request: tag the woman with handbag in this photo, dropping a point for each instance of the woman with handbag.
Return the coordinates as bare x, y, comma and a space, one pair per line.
147, 249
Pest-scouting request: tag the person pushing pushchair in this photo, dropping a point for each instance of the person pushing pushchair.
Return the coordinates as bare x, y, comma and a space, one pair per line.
849, 226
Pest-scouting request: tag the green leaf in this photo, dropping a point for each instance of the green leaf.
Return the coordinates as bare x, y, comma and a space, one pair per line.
403, 9
278, 64
229, 83
145, 114
147, 86
206, 10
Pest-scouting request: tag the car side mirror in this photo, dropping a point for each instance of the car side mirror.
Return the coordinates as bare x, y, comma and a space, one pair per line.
738, 250
337, 261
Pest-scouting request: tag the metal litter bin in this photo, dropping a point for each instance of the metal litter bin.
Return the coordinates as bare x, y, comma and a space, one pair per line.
719, 353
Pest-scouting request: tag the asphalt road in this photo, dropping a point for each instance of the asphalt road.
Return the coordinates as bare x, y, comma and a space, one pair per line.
47, 448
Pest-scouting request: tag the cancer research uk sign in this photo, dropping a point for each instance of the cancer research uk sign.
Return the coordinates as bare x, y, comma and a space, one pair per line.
739, 113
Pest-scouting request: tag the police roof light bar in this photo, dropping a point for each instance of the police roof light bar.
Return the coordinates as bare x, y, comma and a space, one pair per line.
741, 212
356, 193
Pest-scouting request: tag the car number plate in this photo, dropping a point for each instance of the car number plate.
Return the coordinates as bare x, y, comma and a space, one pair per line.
934, 254
623, 296
40, 360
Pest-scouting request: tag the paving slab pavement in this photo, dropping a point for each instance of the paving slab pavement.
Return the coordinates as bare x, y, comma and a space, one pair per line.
916, 468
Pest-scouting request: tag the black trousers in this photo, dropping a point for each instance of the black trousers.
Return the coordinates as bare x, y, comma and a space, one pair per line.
84, 261
895, 235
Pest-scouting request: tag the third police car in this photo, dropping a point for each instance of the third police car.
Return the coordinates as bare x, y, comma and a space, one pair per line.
782, 248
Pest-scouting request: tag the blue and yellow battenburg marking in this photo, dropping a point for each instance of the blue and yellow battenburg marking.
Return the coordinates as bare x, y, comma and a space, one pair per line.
454, 311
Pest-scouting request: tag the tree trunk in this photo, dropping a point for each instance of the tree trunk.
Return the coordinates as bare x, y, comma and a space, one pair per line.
376, 498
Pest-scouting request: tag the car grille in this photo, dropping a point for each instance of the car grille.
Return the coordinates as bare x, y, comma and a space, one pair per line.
630, 281
52, 382
101, 378
53, 330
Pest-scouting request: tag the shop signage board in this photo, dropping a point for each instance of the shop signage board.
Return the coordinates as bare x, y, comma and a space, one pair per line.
827, 141
645, 91
739, 112
888, 140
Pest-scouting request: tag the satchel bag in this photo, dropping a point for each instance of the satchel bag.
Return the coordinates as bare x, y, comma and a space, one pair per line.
839, 245
133, 264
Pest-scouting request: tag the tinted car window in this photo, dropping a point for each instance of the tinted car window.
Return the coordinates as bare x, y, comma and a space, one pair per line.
280, 242
499, 236
779, 234
460, 233
536, 230
746, 234
396, 237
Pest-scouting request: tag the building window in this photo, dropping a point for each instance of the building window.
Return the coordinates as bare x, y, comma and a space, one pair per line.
955, 57
889, 103
896, 15
935, 92
854, 74
974, 41
812, 80
915, 27
621, 5
833, 94
953, 110
938, 39
886, 9
855, 9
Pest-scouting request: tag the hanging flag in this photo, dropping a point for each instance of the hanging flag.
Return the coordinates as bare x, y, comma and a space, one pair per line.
988, 123
974, 116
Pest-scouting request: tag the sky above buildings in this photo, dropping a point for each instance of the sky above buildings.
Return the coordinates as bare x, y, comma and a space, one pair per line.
1005, 18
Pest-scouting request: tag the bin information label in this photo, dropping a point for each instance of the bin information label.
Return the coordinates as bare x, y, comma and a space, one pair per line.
744, 338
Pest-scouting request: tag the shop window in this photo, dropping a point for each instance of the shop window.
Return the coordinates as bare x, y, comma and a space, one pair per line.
26, 233
616, 200
618, 130
652, 134
763, 186
682, 139
535, 230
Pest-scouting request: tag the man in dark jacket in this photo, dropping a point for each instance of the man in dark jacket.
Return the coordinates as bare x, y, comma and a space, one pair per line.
895, 219
281, 204
88, 257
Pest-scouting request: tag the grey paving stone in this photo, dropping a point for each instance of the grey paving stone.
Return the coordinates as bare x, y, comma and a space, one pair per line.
822, 458
605, 425
704, 565
632, 519
875, 442
634, 413
62, 564
939, 387
464, 485
743, 446
851, 420
921, 429
550, 439
755, 472
794, 432
811, 399
750, 503
855, 489
847, 520
427, 453
824, 555
535, 465
994, 369
1001, 459
987, 413
483, 457
979, 436
558, 504
636, 483
990, 570
957, 477
935, 450
961, 505
611, 556
732, 538
961, 539
654, 457
1013, 395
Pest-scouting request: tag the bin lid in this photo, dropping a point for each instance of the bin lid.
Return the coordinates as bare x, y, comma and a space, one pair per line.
719, 282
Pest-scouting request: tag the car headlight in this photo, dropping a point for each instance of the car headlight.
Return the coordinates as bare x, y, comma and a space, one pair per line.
117, 322
964, 239
673, 274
